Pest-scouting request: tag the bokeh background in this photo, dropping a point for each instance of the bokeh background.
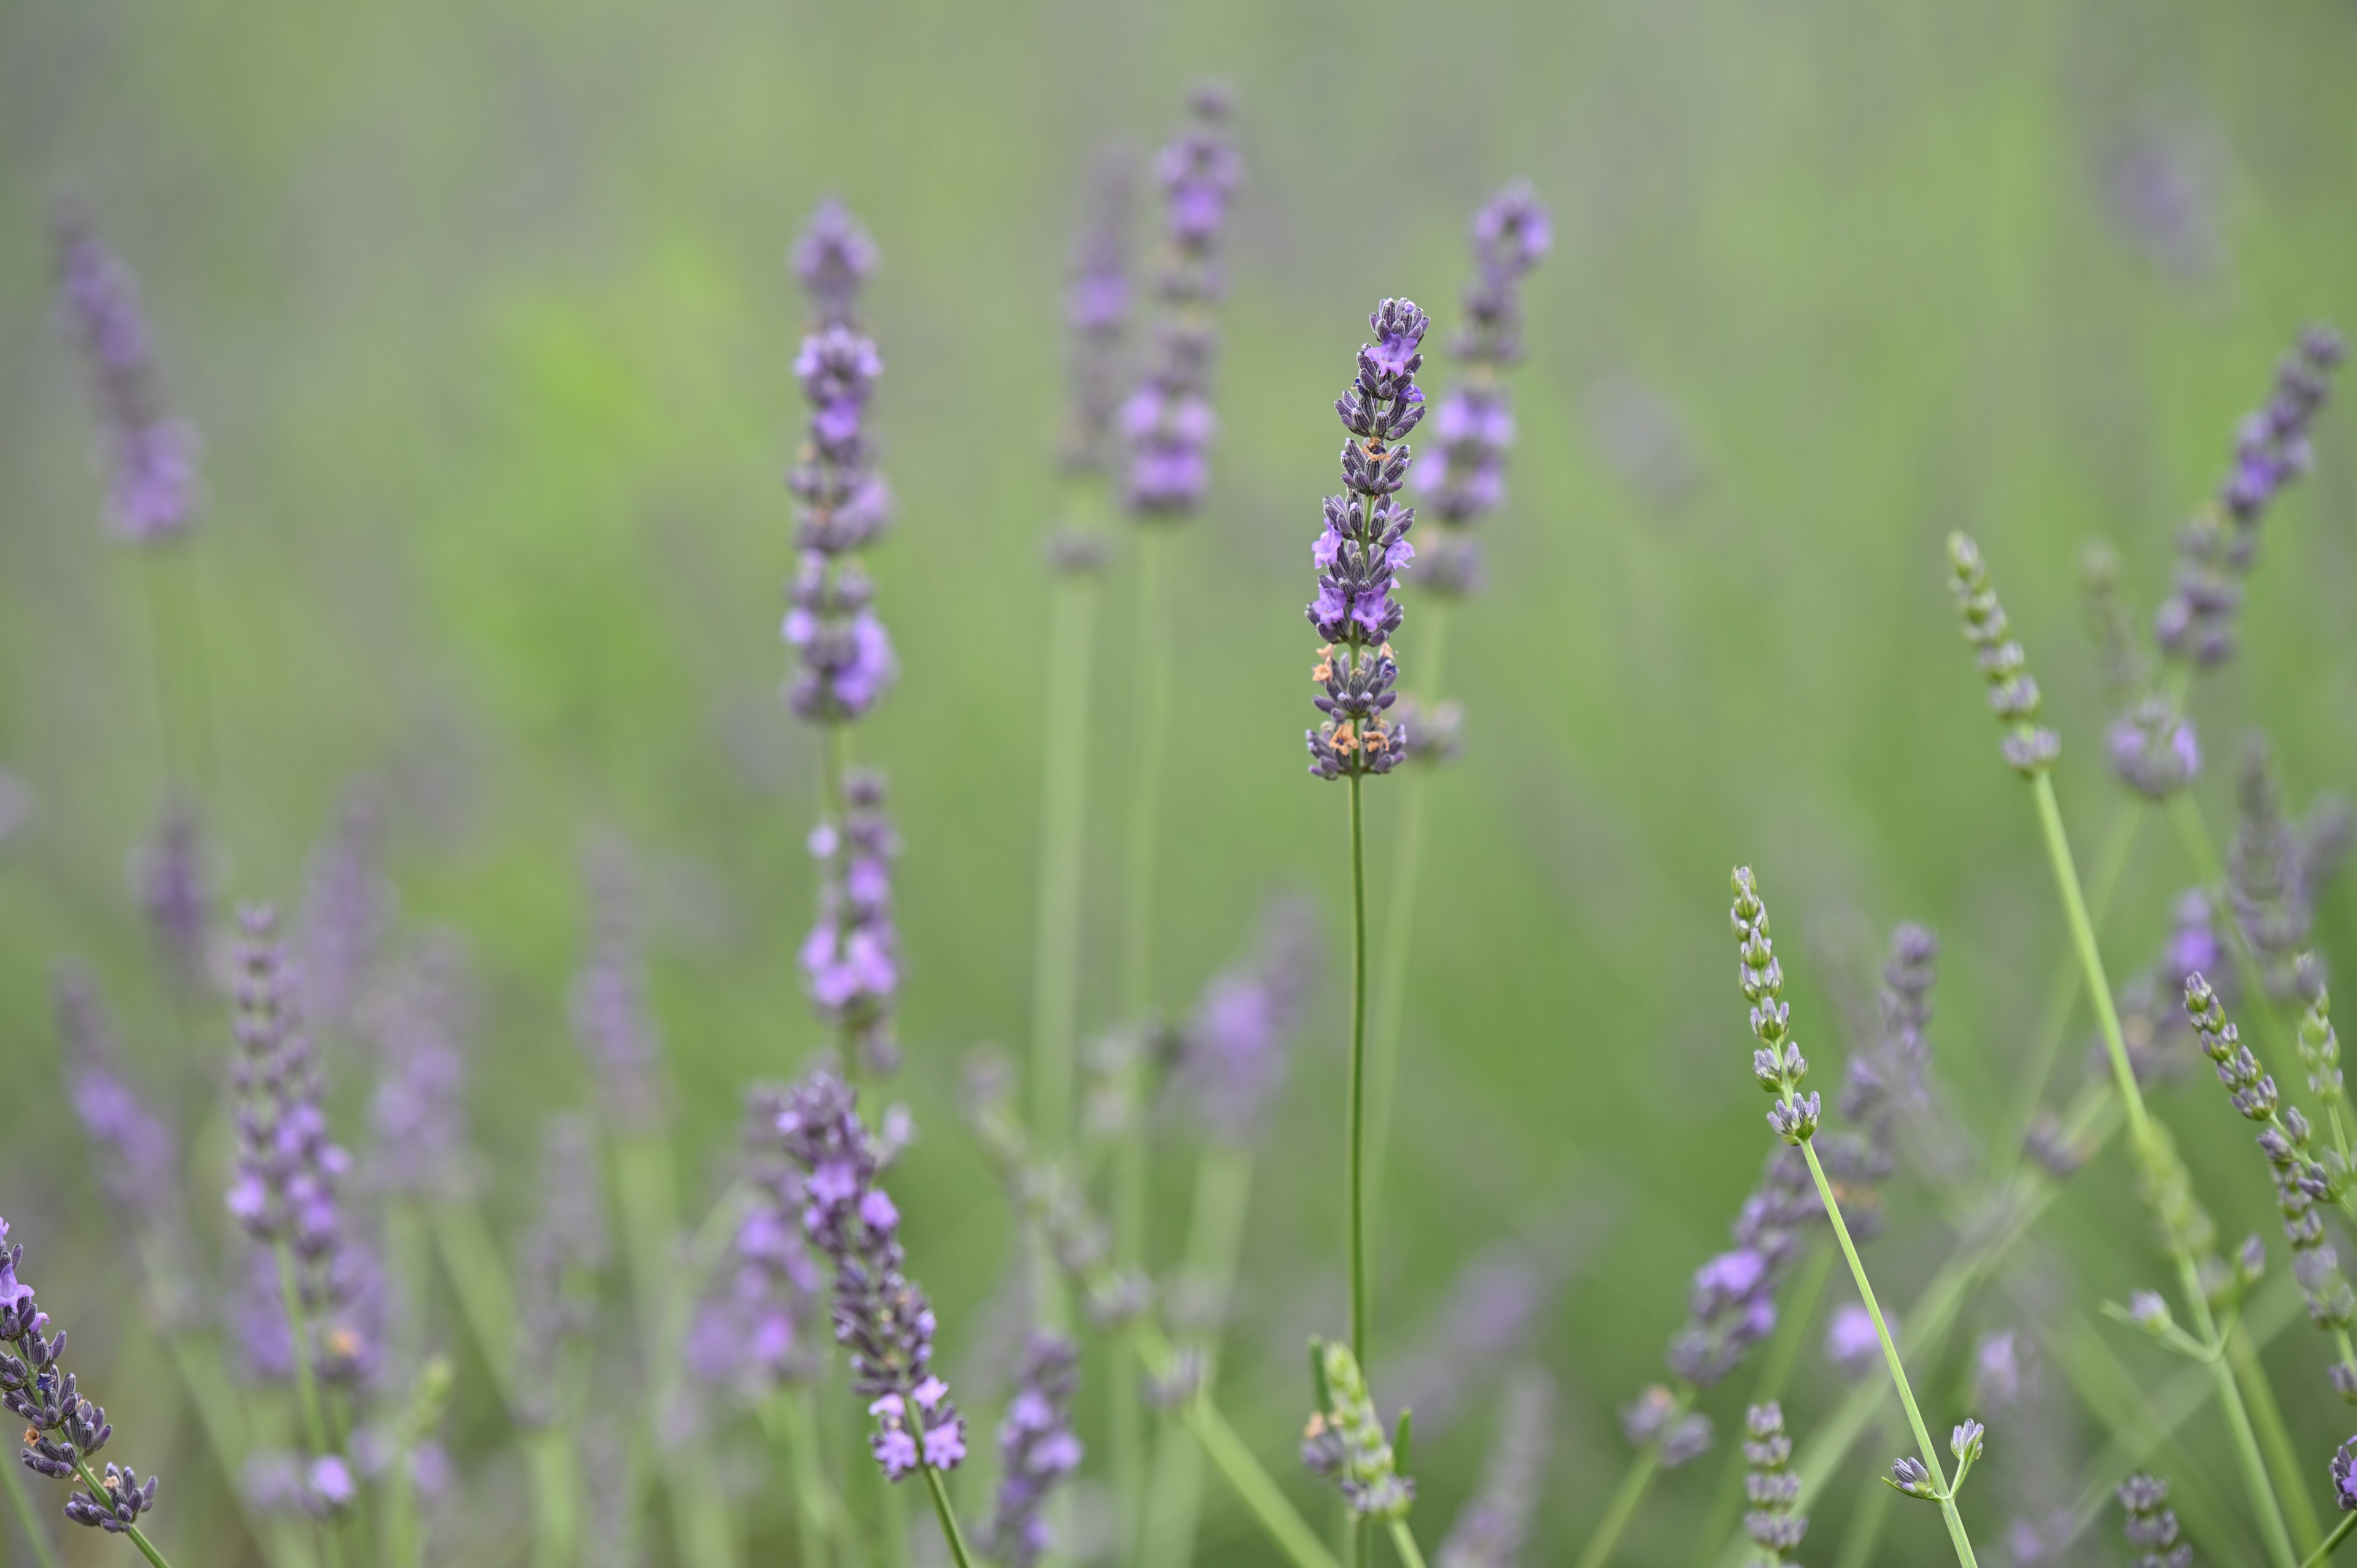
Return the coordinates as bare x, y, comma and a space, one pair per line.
483, 314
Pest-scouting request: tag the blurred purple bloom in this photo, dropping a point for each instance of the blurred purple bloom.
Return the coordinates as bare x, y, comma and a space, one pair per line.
346, 913
2154, 750
833, 258
561, 1254
1167, 422
419, 1113
1732, 1304
174, 888
2151, 1527
137, 1157
1496, 1523
851, 960
1096, 315
1036, 1449
610, 1015
1487, 1317
152, 493
757, 1327
1233, 1051
2276, 868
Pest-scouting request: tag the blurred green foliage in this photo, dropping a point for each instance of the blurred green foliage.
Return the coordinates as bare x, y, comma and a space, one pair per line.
482, 312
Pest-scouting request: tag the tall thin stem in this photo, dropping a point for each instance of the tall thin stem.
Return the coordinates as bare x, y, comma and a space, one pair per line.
1063, 808
307, 1385
555, 1497
1635, 1482
1404, 1542
2083, 937
1215, 1231
1930, 1452
1358, 1128
942, 1510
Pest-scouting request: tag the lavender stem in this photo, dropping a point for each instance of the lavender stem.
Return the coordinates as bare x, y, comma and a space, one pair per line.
1215, 1231
1358, 1303
471, 1259
1635, 1482
306, 1386
555, 1497
942, 1511
2333, 1543
791, 1417
138, 1537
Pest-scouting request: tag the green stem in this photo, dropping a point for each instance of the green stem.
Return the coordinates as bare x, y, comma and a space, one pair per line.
1216, 1229
35, 1529
1403, 1541
471, 1258
1399, 934
2083, 937
1930, 1452
791, 1417
1279, 1519
1358, 1127
138, 1537
948, 1517
1865, 1522
2274, 1439
299, 1331
1635, 1482
2331, 1542
555, 1497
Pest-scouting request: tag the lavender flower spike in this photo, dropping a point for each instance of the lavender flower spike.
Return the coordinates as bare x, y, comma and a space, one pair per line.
1232, 1052
2151, 1527
138, 1158
1167, 421
1361, 550
851, 960
1345, 1440
1778, 1064
2012, 693
419, 1110
62, 1429
610, 1016
1494, 1526
879, 1314
1096, 316
1774, 1522
1732, 1304
756, 1331
152, 495
1036, 1449
833, 258
174, 890
567, 1246
1473, 424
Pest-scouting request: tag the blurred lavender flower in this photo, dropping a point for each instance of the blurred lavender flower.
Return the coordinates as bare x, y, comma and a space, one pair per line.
1732, 1304
1887, 1091
1851, 1344
137, 1157
1345, 1442
610, 1015
1493, 1527
152, 492
834, 257
851, 960
62, 1429
1232, 1052
1096, 315
2154, 750
276, 1482
1473, 422
2219, 547
1773, 1521
2155, 194
1361, 550
16, 804
557, 1275
1642, 437
878, 1312
419, 1112
2029, 748
1167, 420
2276, 868
174, 890
1434, 734
2344, 1476
2127, 674
1487, 1317
2150, 1526
2002, 1370
1036, 1449
846, 657
346, 914
757, 1328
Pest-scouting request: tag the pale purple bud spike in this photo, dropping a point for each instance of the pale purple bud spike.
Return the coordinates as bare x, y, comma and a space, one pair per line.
1097, 303
556, 1282
346, 913
1167, 421
137, 1155
1036, 1448
418, 1113
1233, 1051
610, 1015
152, 488
1496, 1524
174, 885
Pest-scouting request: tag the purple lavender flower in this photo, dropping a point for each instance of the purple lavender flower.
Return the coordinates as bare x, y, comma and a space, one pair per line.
756, 1330
2276, 868
2344, 1476
610, 1015
1851, 1343
1036, 1449
2029, 748
557, 1277
137, 1155
1167, 421
346, 914
1492, 1531
1773, 1523
1096, 315
1473, 423
2151, 1527
62, 1429
1488, 1315
1232, 1052
152, 494
419, 1113
2154, 750
851, 960
174, 890
1732, 1304
1362, 549
879, 1314
833, 258
2219, 547
1346, 1443
1887, 1094
288, 1165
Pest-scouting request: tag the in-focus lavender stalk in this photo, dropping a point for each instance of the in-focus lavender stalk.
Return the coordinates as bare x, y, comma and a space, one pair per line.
1345, 1440
1773, 1523
62, 1430
2219, 547
1036, 1449
851, 960
174, 885
2150, 1527
1496, 1524
152, 487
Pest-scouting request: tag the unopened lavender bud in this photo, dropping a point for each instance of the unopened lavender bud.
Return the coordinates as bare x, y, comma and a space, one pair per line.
2149, 1312
1909, 1477
1347, 1442
1773, 1521
1686, 1440
2150, 1526
1175, 1385
2013, 694
1966, 1442
2251, 1260
1643, 1418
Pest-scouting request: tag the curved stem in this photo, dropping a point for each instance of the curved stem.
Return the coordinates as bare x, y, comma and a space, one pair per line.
1635, 1482
2333, 1543
1404, 1539
1930, 1452
138, 1537
1358, 1127
942, 1510
1278, 1517
2099, 989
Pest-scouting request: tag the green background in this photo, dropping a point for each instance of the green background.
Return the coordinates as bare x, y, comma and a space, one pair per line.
483, 315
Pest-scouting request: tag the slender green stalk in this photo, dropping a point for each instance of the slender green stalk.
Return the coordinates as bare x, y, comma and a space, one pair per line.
408, 1249
1403, 1542
1358, 1127
299, 1331
1930, 1452
36, 1530
1278, 1518
1798, 1311
555, 1497
1216, 1229
138, 1537
1635, 1482
2333, 1543
2274, 1440
1399, 931
791, 1416
2082, 936
480, 1279
947, 1516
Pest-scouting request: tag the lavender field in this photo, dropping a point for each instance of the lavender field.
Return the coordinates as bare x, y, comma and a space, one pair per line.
896, 785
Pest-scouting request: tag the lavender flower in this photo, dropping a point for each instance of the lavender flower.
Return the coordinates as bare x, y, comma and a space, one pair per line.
1473, 423
1888, 1083
2320, 1047
851, 960
2151, 1527
1167, 421
62, 1430
275, 1482
1487, 1317
1361, 550
1851, 1343
610, 1015
1036, 1449
2217, 548
419, 1110
2276, 868
152, 493
1232, 1052
1494, 1526
758, 1331
2002, 1371
1732, 1304
2344, 1477
841, 502
1096, 315
562, 1255
1773, 1523
879, 1314
1345, 1440
2028, 749
1777, 1063
2154, 750
833, 258
346, 913
137, 1155
174, 890
288, 1165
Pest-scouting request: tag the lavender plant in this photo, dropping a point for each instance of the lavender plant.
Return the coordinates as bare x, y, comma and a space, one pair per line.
1036, 1449
2150, 1527
1494, 1527
1345, 1443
